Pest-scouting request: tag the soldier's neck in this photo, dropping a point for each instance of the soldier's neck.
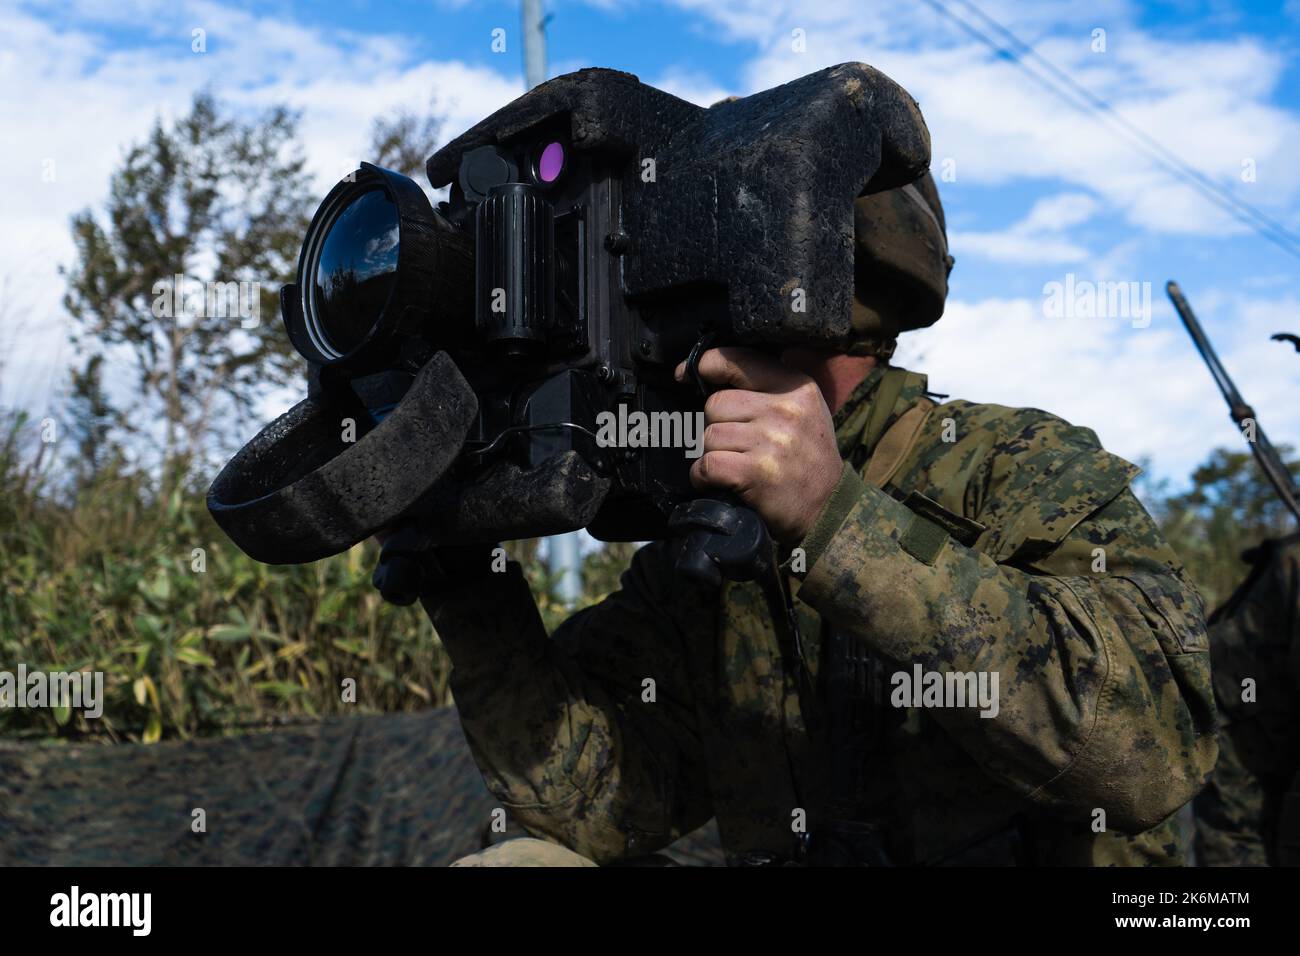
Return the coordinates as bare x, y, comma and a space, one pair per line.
835, 373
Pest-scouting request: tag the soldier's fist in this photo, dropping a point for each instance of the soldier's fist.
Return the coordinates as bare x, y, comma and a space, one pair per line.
768, 438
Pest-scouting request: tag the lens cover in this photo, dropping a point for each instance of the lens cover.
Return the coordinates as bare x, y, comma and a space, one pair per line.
298, 492
378, 265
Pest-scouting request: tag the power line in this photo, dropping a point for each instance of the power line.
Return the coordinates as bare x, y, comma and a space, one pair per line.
1099, 104
1084, 100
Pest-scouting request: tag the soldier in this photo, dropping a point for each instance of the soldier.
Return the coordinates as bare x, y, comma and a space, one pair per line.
1249, 814
932, 554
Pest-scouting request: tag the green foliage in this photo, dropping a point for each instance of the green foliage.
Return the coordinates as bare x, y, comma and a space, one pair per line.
103, 575
107, 581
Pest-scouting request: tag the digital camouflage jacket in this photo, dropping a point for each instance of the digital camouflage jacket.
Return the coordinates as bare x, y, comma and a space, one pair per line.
1003, 541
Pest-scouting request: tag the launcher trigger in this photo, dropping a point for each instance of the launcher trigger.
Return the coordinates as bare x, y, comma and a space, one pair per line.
693, 362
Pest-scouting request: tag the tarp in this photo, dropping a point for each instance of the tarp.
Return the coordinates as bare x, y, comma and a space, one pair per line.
394, 789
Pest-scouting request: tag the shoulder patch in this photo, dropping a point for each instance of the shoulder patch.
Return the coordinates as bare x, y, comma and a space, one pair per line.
1026, 476
965, 531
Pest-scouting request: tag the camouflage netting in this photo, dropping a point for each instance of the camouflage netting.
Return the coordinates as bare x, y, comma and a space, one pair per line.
396, 789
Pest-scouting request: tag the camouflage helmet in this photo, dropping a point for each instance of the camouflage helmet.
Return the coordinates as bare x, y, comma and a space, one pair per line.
901, 265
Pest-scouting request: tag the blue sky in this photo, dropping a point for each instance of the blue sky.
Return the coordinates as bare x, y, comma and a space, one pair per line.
1037, 192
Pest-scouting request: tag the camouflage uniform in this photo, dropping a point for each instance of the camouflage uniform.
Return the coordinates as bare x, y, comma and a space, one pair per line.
981, 553
1249, 814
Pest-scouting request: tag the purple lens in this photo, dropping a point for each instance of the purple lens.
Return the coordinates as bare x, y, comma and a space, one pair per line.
550, 163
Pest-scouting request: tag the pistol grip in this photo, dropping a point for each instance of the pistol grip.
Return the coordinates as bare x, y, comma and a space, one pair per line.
721, 538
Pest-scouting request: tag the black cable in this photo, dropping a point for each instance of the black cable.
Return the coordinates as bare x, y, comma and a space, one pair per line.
1165, 158
1102, 105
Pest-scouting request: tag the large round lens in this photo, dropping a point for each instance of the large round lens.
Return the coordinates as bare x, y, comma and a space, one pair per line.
356, 270
381, 276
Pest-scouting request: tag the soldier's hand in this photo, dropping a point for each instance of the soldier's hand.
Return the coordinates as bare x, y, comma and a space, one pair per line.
769, 438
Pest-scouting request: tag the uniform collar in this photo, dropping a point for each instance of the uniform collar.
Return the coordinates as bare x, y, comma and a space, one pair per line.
852, 417
855, 419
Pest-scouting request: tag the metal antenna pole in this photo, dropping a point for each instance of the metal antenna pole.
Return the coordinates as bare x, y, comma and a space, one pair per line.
534, 43
563, 557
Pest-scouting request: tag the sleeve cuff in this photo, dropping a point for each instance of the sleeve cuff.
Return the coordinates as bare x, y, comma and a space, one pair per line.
846, 494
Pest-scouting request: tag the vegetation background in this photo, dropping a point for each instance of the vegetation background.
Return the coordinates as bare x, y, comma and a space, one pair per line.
109, 560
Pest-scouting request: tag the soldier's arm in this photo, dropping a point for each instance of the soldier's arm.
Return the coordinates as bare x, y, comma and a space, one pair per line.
560, 726
1105, 697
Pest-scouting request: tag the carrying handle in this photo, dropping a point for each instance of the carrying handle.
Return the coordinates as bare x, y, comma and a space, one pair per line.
721, 537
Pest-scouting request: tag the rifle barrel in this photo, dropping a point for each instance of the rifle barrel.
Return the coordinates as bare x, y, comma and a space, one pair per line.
1265, 454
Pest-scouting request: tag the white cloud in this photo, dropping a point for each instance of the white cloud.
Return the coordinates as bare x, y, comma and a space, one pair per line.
1037, 237
1144, 391
1016, 246
1206, 100
1055, 213
690, 85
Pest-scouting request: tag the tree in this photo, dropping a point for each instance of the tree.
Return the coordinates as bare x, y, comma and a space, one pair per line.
404, 142
222, 203
91, 420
